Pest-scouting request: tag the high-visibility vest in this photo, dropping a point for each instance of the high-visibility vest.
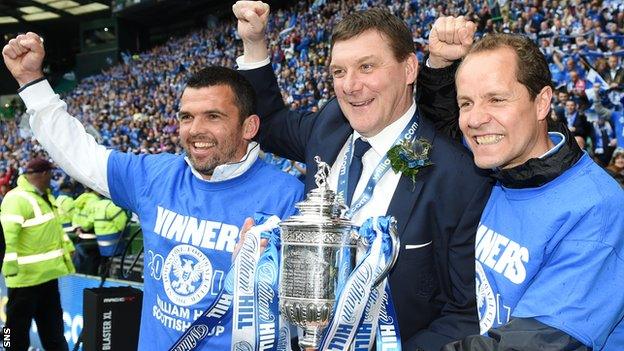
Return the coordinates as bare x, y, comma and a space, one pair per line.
83, 217
65, 209
37, 249
109, 222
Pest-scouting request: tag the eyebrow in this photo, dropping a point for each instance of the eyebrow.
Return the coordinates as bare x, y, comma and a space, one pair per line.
205, 113
360, 60
487, 95
214, 112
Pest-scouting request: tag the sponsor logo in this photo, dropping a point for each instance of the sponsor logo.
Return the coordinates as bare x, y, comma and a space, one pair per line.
195, 334
243, 346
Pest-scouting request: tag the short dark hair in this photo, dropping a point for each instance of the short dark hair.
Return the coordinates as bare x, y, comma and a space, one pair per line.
393, 28
244, 94
531, 67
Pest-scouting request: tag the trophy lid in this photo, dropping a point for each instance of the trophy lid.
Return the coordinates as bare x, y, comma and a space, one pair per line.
322, 206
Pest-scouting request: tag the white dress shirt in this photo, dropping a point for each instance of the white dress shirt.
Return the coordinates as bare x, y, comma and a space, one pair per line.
380, 145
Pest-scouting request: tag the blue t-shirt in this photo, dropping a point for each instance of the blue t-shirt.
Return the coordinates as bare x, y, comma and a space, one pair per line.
555, 253
190, 228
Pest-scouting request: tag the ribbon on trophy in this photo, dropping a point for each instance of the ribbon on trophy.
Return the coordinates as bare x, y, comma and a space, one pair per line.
364, 310
272, 331
249, 296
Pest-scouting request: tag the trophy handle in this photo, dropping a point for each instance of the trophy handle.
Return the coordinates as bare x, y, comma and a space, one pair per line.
396, 245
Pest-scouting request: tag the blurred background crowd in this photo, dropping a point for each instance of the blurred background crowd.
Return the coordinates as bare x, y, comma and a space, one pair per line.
132, 106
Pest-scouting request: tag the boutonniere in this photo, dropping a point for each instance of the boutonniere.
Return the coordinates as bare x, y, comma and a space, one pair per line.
409, 156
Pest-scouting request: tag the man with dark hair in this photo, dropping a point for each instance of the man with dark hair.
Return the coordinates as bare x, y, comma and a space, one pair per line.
37, 254
374, 69
577, 122
190, 206
550, 244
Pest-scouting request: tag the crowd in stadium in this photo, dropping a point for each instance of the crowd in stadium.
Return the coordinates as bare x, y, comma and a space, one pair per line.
131, 106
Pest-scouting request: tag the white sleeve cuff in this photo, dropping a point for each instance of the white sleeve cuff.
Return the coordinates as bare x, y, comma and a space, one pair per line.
244, 66
37, 95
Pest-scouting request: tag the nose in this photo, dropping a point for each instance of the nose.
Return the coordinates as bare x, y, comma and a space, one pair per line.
351, 83
196, 126
476, 117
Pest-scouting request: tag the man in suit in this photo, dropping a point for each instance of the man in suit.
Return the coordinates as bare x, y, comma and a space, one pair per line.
577, 122
374, 71
615, 74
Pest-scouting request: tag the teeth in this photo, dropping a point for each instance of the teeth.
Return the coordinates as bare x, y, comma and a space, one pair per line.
201, 145
358, 104
488, 139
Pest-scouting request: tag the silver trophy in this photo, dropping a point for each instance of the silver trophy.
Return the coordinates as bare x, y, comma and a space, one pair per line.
318, 253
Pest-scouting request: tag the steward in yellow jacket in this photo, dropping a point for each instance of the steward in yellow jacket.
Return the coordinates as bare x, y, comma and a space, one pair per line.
109, 222
87, 258
37, 253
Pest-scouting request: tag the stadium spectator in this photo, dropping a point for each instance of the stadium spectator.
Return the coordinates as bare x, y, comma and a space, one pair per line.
577, 122
604, 141
615, 74
616, 166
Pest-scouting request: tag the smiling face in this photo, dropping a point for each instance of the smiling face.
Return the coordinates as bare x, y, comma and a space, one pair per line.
373, 89
618, 161
502, 125
570, 106
211, 131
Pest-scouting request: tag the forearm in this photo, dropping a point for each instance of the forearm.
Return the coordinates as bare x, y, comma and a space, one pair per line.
282, 131
65, 139
254, 51
437, 98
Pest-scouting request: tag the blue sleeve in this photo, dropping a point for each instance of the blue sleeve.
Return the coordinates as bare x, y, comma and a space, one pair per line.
126, 178
579, 289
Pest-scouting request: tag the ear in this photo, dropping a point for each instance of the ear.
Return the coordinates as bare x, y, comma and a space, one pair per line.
411, 68
542, 103
251, 124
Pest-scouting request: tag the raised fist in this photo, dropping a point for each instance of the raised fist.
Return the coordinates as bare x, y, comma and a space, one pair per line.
253, 17
23, 56
450, 40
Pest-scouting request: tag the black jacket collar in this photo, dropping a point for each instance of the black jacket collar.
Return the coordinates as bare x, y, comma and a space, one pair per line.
539, 171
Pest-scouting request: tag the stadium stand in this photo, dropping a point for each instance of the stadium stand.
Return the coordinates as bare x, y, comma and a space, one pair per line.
131, 106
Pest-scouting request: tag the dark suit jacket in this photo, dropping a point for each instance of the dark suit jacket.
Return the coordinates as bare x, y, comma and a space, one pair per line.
582, 128
432, 287
618, 79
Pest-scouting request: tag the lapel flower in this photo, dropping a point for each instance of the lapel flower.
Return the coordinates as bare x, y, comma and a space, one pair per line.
409, 156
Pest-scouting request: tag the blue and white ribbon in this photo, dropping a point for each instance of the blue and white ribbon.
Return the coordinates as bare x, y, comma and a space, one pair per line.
218, 313
388, 336
269, 334
360, 304
408, 133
